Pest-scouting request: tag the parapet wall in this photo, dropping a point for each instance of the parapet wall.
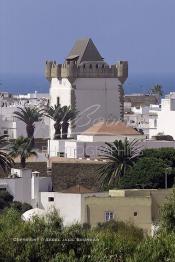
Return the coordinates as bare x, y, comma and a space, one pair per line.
71, 70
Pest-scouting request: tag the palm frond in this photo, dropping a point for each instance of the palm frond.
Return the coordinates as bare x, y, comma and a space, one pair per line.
119, 155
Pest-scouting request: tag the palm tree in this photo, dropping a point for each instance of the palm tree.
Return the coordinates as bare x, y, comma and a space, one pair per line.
29, 115
55, 113
119, 155
6, 162
157, 90
68, 115
23, 148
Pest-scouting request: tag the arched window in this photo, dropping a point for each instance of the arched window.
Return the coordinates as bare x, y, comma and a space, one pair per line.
96, 65
90, 66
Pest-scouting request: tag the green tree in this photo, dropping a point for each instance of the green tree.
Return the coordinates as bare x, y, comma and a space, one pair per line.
119, 156
167, 214
148, 172
47, 240
23, 148
68, 115
62, 117
157, 90
29, 115
156, 249
112, 247
166, 154
6, 162
55, 113
121, 228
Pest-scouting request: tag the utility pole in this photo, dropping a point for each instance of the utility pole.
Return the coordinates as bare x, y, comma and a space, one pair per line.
167, 172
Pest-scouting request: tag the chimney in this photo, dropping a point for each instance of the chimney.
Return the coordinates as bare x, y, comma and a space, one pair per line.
35, 188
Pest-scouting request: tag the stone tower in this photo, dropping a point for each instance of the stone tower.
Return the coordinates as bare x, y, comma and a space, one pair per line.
88, 84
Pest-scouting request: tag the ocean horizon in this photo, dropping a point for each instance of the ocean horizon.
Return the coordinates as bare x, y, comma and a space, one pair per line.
136, 83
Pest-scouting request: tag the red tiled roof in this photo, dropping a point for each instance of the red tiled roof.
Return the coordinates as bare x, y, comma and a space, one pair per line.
77, 189
111, 128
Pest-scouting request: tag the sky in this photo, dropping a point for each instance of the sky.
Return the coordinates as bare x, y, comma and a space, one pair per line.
140, 31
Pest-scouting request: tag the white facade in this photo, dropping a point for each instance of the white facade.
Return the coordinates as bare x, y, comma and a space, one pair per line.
86, 146
95, 99
70, 207
164, 119
24, 186
142, 118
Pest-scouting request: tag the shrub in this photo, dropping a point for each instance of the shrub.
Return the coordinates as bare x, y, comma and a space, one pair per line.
148, 172
21, 207
167, 213
157, 249
121, 228
6, 196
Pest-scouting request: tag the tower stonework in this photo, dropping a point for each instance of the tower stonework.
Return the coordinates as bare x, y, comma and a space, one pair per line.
88, 84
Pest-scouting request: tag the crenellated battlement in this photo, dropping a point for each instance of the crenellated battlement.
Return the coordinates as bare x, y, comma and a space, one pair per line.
95, 69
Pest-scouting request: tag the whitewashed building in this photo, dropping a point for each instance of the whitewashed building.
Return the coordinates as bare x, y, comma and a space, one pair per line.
162, 120
88, 143
25, 185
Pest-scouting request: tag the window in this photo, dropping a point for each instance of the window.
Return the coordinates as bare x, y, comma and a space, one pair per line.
60, 154
50, 199
108, 216
90, 66
58, 100
155, 122
5, 132
2, 189
135, 214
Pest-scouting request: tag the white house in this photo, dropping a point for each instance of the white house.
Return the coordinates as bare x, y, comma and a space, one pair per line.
162, 121
80, 205
88, 142
25, 185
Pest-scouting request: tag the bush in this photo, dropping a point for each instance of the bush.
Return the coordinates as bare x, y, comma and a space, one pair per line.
6, 196
112, 247
167, 214
166, 154
21, 207
119, 227
5, 199
157, 249
148, 172
3, 204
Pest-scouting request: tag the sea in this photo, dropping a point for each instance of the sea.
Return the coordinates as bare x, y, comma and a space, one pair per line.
136, 83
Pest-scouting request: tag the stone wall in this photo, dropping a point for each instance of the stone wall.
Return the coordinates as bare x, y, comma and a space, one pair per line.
65, 175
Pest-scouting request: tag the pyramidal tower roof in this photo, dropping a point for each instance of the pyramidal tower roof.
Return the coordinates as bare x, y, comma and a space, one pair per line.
84, 50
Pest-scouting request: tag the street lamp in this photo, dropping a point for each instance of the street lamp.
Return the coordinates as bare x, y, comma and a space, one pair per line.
167, 172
